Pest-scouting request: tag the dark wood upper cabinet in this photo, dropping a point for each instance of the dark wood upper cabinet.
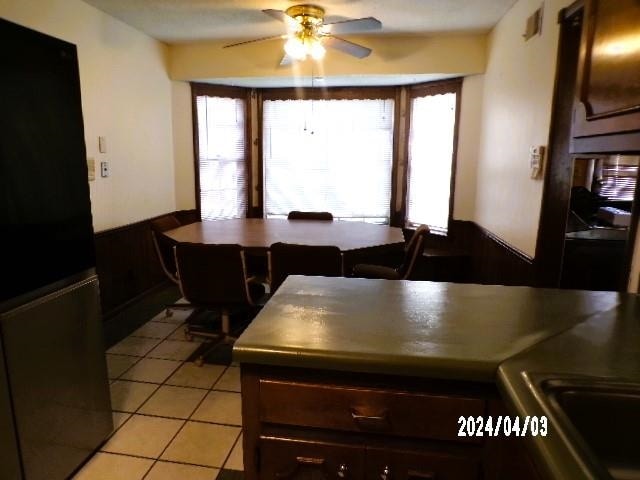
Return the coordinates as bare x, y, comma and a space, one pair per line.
606, 116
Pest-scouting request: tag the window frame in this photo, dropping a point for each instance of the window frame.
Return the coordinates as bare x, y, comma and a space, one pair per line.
402, 96
331, 93
422, 90
225, 91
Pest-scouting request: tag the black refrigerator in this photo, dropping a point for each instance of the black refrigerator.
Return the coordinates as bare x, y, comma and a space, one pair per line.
54, 393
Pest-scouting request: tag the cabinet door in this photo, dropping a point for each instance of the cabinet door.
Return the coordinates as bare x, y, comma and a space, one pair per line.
58, 379
9, 456
608, 81
382, 464
284, 459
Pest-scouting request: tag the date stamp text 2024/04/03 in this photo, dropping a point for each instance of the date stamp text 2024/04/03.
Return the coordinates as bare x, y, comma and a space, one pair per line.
508, 426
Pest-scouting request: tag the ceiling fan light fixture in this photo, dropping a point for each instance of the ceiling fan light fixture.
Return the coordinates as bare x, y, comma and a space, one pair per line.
299, 47
316, 49
295, 48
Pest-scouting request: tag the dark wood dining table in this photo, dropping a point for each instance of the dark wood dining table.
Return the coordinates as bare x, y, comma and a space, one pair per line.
258, 233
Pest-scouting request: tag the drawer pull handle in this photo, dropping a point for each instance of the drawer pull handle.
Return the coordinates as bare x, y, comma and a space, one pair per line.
375, 422
310, 461
301, 462
386, 473
415, 475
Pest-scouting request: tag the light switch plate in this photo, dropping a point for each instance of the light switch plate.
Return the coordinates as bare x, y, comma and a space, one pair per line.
536, 161
102, 144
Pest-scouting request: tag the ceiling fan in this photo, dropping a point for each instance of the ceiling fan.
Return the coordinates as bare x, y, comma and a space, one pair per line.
307, 34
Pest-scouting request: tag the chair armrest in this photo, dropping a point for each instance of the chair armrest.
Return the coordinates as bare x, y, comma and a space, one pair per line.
364, 270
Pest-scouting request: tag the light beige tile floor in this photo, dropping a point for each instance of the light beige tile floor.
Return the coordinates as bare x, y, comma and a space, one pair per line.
174, 402
143, 436
176, 471
220, 407
234, 462
173, 419
118, 364
105, 466
174, 350
135, 346
191, 375
152, 370
230, 380
155, 330
204, 444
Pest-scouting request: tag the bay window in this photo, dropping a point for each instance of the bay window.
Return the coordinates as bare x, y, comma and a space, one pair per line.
431, 154
328, 155
221, 152
383, 155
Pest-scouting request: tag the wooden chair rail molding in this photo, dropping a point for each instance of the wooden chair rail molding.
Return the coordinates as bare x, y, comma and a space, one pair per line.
127, 264
128, 267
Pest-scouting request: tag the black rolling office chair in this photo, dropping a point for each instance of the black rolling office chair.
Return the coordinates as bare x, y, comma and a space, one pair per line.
214, 277
413, 251
164, 249
298, 215
288, 259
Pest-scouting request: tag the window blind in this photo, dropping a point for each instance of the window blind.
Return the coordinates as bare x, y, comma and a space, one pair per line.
221, 157
328, 155
430, 160
618, 180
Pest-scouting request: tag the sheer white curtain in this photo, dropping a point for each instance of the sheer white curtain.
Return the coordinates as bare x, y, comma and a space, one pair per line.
222, 166
431, 136
328, 155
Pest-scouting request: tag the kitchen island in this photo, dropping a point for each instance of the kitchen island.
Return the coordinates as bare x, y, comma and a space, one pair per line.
359, 378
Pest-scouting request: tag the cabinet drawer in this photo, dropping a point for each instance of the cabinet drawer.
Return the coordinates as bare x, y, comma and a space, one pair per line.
284, 459
367, 410
382, 464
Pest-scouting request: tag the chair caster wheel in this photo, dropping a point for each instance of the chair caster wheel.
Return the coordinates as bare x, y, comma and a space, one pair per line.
187, 335
199, 361
168, 313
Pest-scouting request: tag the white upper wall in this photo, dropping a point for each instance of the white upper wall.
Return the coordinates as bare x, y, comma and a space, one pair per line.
126, 97
464, 205
516, 114
183, 153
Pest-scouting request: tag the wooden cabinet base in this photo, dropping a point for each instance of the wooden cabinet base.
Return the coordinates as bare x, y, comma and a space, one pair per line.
313, 424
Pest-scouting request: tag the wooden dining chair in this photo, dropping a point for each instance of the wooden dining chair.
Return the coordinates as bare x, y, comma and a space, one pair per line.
298, 215
214, 278
163, 246
289, 259
412, 252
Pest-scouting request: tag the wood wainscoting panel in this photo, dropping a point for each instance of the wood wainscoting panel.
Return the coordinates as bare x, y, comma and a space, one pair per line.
490, 259
495, 262
127, 264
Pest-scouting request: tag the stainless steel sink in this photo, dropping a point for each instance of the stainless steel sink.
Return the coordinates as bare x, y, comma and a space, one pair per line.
601, 419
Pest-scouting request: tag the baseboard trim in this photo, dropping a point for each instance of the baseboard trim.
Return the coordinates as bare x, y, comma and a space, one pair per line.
114, 312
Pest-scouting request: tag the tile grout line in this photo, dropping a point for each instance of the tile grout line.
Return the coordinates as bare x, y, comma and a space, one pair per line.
231, 451
184, 422
157, 459
212, 388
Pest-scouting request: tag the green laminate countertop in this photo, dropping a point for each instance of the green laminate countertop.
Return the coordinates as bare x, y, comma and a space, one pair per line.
603, 347
428, 329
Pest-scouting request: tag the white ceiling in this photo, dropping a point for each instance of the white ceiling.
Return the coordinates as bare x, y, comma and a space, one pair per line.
175, 21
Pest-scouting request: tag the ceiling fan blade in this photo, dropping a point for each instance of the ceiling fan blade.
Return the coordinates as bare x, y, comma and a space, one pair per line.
292, 23
353, 26
286, 60
346, 46
263, 39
